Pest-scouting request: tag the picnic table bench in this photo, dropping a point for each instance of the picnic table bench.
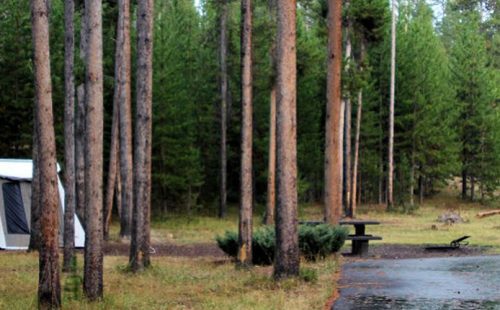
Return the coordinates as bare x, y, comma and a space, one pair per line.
360, 239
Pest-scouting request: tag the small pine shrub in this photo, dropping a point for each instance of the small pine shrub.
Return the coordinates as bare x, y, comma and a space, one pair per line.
320, 240
228, 243
315, 242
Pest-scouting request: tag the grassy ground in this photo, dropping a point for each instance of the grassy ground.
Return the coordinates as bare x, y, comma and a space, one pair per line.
174, 283
214, 283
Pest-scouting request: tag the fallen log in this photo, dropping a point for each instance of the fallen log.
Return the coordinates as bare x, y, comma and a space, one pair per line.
488, 213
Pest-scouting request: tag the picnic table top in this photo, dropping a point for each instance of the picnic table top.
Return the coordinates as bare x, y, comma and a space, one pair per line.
359, 222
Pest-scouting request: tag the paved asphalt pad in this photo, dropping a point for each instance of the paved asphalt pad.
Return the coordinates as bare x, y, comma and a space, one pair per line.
428, 283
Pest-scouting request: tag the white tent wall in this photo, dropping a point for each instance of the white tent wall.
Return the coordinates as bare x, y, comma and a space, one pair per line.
20, 171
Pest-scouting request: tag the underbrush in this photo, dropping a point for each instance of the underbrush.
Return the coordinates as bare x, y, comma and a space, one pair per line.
315, 242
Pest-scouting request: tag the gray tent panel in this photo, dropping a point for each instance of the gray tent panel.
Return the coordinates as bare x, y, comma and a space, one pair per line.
15, 215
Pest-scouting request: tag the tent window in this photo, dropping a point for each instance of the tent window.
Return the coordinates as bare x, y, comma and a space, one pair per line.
14, 209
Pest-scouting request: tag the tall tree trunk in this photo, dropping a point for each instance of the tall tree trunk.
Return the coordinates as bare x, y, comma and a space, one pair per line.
271, 175
354, 187
223, 107
112, 168
246, 204
334, 116
35, 237
93, 267
420, 189
80, 154
49, 286
69, 136
382, 192
125, 107
464, 184
472, 188
287, 261
347, 127
390, 168
412, 178
140, 245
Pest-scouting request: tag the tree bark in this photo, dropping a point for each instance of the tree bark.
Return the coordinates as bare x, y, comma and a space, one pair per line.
354, 187
390, 177
80, 154
93, 267
35, 237
246, 204
464, 184
140, 243
49, 286
125, 107
286, 261
69, 136
223, 107
472, 188
271, 176
334, 116
112, 169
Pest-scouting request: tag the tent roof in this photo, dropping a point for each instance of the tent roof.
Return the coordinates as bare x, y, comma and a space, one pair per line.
17, 169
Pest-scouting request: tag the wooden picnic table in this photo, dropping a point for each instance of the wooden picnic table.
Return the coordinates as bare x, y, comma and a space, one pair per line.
360, 239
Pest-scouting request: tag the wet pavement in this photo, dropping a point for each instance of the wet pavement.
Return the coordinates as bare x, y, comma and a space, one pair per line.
427, 283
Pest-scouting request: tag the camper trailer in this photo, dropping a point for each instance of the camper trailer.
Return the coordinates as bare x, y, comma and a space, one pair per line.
15, 206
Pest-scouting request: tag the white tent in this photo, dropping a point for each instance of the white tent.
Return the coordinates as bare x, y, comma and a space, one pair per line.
15, 205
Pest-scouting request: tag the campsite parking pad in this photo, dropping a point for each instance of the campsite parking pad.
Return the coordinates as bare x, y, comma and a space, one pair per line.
427, 283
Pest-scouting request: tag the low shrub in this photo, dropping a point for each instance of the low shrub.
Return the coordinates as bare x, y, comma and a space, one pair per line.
315, 242
319, 241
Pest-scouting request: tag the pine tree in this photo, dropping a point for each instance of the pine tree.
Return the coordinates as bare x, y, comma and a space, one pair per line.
49, 286
93, 267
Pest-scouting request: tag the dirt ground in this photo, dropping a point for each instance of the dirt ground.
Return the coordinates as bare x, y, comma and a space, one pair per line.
165, 249
382, 251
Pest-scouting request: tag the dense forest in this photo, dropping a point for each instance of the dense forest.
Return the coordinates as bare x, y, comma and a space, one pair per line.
447, 120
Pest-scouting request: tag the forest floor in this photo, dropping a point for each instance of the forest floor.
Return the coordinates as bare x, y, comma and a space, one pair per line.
190, 272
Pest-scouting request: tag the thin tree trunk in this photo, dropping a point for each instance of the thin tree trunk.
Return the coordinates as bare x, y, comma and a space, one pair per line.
112, 168
223, 107
390, 177
35, 237
93, 267
420, 189
271, 176
464, 184
118, 192
347, 127
472, 187
125, 107
334, 116
80, 154
412, 178
356, 155
49, 286
287, 261
69, 136
245, 216
140, 244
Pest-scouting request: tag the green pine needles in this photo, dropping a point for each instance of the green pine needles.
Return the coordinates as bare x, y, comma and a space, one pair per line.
315, 242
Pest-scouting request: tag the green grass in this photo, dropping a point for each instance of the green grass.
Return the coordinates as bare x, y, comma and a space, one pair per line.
215, 283
176, 283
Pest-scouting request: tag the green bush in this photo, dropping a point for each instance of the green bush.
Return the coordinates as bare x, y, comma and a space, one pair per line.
319, 241
315, 242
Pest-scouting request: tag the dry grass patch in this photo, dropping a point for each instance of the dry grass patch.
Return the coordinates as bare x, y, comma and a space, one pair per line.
174, 283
